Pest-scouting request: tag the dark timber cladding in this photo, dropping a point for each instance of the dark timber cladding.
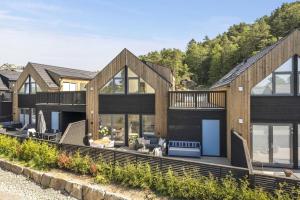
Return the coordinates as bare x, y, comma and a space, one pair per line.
26, 100
275, 108
186, 124
131, 104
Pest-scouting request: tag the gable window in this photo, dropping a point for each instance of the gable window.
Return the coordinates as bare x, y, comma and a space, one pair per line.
127, 82
29, 86
279, 82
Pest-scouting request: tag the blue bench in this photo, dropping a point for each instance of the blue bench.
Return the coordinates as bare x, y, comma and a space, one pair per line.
184, 148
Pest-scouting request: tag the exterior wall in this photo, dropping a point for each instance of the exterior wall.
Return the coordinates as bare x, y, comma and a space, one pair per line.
157, 82
238, 102
186, 125
78, 83
29, 70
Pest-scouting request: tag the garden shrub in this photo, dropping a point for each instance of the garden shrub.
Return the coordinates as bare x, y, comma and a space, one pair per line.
9, 146
186, 186
64, 161
80, 164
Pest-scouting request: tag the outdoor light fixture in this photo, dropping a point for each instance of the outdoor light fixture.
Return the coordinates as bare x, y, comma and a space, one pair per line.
241, 121
241, 88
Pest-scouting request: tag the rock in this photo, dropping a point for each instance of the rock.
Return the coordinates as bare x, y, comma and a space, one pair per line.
68, 187
90, 193
45, 181
2, 163
16, 169
26, 172
57, 183
36, 176
76, 191
113, 196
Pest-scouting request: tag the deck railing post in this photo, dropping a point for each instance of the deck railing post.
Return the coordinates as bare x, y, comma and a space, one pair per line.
196, 99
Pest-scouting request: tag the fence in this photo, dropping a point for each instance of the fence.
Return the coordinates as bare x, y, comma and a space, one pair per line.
197, 99
62, 97
179, 166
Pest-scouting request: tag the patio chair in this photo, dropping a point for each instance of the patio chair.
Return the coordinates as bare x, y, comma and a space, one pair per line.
20, 131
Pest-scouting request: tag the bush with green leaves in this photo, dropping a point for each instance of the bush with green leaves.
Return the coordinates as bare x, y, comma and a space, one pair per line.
185, 186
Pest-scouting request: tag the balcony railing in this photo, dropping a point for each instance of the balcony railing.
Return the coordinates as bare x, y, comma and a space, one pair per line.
70, 98
197, 99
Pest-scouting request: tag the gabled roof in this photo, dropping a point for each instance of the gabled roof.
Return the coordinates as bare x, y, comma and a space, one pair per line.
62, 72
3, 87
240, 68
10, 74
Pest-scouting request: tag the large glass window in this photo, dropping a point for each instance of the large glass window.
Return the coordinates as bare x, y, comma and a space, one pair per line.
148, 124
277, 83
29, 86
282, 143
272, 143
55, 121
133, 128
260, 143
135, 84
27, 116
115, 126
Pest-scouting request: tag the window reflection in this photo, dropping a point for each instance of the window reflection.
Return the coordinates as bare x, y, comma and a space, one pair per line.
280, 80
260, 143
29, 86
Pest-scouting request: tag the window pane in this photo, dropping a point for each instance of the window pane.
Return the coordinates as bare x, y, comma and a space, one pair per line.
131, 74
118, 129
148, 125
72, 86
119, 86
33, 116
133, 128
108, 88
121, 74
66, 86
260, 143
133, 85
283, 83
145, 88
264, 87
282, 144
286, 67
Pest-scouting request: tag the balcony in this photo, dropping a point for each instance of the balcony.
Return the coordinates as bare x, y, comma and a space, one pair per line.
197, 100
66, 98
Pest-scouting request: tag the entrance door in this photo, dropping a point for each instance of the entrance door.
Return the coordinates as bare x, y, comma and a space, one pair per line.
55, 121
211, 137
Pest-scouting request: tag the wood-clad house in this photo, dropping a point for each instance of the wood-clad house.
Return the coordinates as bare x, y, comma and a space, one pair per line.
130, 98
58, 91
7, 83
263, 103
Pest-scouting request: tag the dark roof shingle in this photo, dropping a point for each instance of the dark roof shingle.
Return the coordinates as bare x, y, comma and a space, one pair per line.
10, 74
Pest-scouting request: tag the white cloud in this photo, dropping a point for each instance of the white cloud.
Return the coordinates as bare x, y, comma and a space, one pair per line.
90, 52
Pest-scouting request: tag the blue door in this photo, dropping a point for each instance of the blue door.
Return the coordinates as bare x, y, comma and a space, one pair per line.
211, 137
55, 121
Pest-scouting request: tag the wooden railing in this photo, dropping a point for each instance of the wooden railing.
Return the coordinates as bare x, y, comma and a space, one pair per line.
71, 98
197, 99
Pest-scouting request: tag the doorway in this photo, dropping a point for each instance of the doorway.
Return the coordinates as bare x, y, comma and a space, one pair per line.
211, 137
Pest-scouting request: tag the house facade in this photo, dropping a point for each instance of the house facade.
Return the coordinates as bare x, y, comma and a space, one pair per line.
263, 103
57, 91
8, 79
129, 98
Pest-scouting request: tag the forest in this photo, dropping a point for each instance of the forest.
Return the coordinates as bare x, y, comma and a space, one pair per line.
204, 62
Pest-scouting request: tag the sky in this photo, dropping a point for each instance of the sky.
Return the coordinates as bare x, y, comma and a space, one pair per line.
88, 34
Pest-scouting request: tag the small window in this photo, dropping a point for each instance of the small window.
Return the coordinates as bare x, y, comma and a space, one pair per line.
116, 85
69, 86
282, 83
29, 87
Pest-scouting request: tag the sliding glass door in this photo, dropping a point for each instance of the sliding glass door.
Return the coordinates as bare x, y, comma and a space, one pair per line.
272, 143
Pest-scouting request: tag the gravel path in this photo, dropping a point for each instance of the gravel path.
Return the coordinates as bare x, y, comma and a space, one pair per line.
17, 187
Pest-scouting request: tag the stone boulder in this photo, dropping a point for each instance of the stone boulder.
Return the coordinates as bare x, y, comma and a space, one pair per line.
57, 183
46, 179
91, 193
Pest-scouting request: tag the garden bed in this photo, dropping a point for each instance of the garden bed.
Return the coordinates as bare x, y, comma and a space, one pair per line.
141, 176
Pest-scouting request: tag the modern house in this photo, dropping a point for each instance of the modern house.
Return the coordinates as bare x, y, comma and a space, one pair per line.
130, 98
263, 103
58, 91
8, 79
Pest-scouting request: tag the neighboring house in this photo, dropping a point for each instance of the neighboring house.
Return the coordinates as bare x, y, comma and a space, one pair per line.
263, 103
59, 92
7, 82
130, 98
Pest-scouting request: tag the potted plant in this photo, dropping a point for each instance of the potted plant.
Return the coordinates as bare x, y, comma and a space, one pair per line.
103, 132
